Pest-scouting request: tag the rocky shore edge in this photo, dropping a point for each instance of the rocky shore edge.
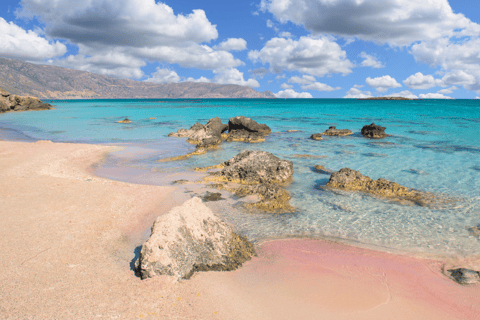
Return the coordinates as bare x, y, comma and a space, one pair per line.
11, 102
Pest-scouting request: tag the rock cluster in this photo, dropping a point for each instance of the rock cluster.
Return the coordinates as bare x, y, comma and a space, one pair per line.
333, 131
373, 131
351, 180
11, 102
191, 238
260, 173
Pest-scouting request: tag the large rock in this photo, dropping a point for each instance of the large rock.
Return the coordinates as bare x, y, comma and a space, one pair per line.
244, 129
203, 136
333, 131
254, 167
464, 276
316, 136
373, 131
351, 180
11, 102
184, 133
191, 238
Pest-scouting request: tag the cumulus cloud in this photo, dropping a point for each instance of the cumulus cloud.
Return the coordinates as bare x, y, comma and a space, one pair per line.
382, 84
403, 94
305, 79
286, 86
420, 81
18, 43
355, 93
164, 76
285, 34
448, 90
232, 44
397, 22
260, 72
289, 93
314, 56
370, 61
233, 76
433, 96
309, 83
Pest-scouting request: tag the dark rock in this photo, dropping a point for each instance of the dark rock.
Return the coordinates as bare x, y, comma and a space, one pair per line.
212, 196
245, 136
333, 131
351, 180
464, 276
474, 231
11, 102
190, 238
316, 136
126, 120
373, 131
247, 124
252, 167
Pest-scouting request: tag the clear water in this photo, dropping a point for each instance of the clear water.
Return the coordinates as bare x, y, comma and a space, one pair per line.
435, 147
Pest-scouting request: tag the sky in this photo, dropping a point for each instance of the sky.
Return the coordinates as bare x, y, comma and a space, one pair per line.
294, 48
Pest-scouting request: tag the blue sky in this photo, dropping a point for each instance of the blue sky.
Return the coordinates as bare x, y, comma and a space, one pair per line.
294, 48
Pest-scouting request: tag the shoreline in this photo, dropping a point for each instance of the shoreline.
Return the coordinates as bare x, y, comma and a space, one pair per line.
69, 237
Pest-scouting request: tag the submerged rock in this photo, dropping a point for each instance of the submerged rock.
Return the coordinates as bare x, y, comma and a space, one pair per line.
322, 169
126, 120
474, 231
351, 180
373, 131
190, 238
254, 167
212, 196
12, 102
316, 136
464, 276
333, 131
273, 198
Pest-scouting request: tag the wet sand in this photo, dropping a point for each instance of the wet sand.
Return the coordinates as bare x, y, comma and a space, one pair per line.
68, 239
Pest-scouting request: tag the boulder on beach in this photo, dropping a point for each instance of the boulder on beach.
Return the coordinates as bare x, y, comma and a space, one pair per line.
12, 102
372, 131
316, 136
190, 238
254, 167
333, 131
464, 276
351, 180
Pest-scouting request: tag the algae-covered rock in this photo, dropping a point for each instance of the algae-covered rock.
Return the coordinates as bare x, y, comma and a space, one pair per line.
190, 238
373, 131
333, 131
254, 167
273, 198
322, 169
351, 180
212, 196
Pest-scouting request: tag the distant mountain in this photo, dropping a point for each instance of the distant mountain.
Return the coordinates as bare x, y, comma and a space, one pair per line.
50, 82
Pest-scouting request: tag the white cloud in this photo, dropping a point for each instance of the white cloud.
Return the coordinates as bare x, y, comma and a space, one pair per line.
17, 43
201, 79
397, 22
285, 34
448, 90
420, 81
305, 79
164, 76
289, 93
233, 76
308, 55
458, 77
355, 93
404, 94
358, 86
371, 61
319, 87
232, 44
286, 86
433, 96
382, 84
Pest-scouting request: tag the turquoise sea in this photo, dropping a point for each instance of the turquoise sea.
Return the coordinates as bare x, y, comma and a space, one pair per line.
434, 147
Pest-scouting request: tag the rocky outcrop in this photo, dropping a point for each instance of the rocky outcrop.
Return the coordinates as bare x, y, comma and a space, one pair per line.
11, 102
190, 238
258, 173
316, 136
464, 276
351, 180
333, 131
246, 130
126, 120
255, 167
373, 131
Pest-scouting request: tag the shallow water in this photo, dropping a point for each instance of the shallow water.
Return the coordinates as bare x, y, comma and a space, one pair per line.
434, 147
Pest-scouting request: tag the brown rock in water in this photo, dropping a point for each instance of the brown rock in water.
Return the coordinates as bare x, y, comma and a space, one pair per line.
126, 120
333, 131
212, 196
474, 231
373, 131
321, 169
11, 102
351, 180
244, 129
190, 238
316, 136
254, 167
273, 199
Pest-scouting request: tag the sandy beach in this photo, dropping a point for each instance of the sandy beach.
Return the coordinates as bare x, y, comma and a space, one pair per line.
68, 239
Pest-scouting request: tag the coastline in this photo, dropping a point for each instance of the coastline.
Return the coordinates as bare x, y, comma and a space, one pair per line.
68, 238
